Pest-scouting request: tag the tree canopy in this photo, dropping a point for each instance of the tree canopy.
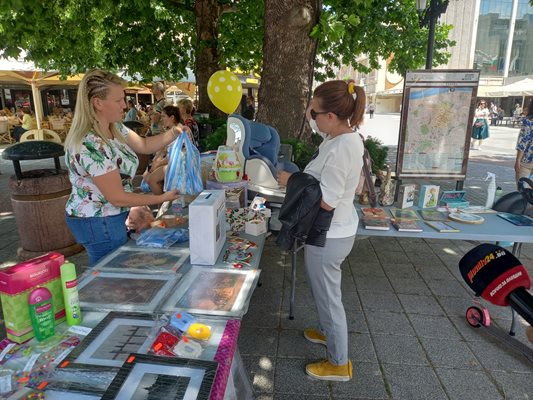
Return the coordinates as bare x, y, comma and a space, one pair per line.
162, 38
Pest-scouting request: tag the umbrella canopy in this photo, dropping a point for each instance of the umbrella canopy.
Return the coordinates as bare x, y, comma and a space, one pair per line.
523, 87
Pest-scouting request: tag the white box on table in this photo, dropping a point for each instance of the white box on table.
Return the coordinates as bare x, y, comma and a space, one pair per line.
206, 227
255, 227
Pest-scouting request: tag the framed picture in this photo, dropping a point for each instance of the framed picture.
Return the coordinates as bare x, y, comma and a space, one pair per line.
129, 259
86, 382
214, 292
108, 291
151, 377
436, 123
113, 340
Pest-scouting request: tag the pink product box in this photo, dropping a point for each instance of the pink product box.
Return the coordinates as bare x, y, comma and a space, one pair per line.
17, 283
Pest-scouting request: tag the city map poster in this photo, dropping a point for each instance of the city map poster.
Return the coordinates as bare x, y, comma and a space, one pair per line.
437, 113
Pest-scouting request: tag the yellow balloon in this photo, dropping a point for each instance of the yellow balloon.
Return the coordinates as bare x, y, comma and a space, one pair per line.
225, 91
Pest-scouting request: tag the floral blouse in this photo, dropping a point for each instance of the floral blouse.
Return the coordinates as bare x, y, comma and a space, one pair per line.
525, 141
96, 158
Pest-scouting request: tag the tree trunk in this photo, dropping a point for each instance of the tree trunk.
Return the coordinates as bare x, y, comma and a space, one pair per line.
207, 14
288, 64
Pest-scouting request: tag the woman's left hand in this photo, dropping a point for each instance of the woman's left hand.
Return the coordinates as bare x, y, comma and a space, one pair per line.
283, 177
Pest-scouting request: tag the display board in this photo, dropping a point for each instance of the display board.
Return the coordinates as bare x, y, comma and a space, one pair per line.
436, 123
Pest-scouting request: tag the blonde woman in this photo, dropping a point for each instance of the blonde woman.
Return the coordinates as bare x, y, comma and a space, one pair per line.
101, 160
186, 108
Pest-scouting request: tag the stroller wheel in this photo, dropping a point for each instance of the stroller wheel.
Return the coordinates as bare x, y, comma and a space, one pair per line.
475, 317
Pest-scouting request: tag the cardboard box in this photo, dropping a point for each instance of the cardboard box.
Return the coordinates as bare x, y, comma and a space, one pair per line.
207, 234
429, 195
16, 284
236, 192
454, 199
256, 223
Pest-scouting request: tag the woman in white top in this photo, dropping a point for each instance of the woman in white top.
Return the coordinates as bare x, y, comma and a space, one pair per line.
100, 153
480, 130
336, 110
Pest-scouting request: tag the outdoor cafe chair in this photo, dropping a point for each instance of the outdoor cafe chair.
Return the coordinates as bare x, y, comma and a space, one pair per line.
5, 133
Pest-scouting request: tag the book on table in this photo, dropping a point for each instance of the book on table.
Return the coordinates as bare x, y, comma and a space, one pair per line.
519, 220
404, 215
377, 224
407, 226
433, 215
374, 212
477, 210
441, 227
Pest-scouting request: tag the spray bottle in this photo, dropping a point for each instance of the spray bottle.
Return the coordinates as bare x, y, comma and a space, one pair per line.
491, 189
69, 285
42, 313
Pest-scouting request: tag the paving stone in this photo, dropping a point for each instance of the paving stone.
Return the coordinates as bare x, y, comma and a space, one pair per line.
471, 385
405, 350
373, 283
360, 348
264, 295
450, 354
389, 323
432, 326
356, 322
514, 386
413, 382
496, 356
360, 269
468, 332
261, 316
448, 288
302, 297
293, 344
258, 341
430, 271
393, 257
367, 383
347, 282
409, 286
386, 244
292, 396
395, 270
290, 377
415, 304
380, 301
304, 317
351, 301
260, 372
454, 306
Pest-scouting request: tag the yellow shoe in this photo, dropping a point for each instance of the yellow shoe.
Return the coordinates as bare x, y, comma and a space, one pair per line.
326, 371
314, 336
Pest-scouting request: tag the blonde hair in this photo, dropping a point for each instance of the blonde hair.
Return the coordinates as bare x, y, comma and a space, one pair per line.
95, 83
187, 105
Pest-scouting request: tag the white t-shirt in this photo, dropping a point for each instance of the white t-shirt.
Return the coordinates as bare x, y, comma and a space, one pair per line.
338, 168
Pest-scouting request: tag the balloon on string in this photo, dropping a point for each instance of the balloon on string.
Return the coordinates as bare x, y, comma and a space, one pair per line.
225, 91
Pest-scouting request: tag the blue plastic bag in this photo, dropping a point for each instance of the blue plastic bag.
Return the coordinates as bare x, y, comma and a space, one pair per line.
184, 170
162, 238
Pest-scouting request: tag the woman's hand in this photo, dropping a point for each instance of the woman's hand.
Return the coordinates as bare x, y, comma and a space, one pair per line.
283, 177
170, 195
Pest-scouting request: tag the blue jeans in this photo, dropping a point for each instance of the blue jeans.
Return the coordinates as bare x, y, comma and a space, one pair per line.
99, 235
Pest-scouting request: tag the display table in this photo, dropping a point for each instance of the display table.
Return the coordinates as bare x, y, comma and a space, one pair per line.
493, 229
136, 279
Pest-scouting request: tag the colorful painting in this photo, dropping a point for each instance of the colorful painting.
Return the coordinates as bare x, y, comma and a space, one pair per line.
145, 260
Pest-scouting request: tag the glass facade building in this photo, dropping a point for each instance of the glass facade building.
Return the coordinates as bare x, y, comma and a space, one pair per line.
504, 24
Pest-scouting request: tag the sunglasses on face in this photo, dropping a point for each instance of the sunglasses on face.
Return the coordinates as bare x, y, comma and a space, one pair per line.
315, 113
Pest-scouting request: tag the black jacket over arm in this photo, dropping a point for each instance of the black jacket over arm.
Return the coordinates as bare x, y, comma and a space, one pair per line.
300, 215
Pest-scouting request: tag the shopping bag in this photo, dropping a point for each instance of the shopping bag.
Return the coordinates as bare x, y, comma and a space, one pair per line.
184, 169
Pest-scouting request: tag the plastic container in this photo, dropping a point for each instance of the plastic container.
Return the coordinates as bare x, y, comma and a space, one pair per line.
69, 286
42, 313
491, 189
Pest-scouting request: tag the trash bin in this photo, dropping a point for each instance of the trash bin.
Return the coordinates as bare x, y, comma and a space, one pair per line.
38, 198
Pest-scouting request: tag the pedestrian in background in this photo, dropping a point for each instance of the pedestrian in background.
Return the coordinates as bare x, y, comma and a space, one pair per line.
480, 130
371, 109
524, 146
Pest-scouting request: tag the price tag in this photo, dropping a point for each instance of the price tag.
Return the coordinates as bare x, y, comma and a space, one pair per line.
6, 350
80, 330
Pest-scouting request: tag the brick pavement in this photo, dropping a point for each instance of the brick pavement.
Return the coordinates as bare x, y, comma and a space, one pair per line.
405, 304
